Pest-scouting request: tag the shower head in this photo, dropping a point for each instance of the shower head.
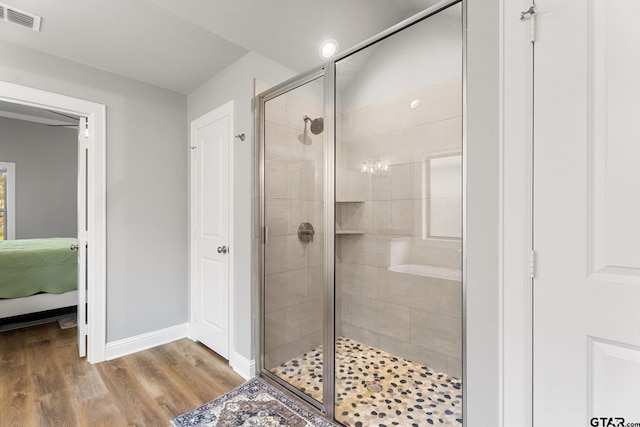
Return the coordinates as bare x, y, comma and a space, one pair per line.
317, 125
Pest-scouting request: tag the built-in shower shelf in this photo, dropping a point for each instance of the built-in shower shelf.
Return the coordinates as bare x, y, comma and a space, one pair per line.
347, 232
349, 201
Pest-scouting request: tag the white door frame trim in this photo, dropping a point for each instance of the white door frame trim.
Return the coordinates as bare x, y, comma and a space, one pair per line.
199, 122
96, 200
516, 216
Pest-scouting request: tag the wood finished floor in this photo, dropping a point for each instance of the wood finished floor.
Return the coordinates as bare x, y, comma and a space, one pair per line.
43, 382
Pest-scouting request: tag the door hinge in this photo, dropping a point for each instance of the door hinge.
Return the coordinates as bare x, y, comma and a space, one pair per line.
195, 234
195, 151
532, 264
530, 14
84, 329
265, 235
86, 128
195, 318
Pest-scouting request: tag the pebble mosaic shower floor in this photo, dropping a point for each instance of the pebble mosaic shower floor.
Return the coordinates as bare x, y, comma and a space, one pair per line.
375, 388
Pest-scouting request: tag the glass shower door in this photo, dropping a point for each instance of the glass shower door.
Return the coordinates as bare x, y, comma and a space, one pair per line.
398, 328
293, 209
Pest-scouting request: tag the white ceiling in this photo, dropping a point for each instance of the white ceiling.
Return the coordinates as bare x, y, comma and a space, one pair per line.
179, 44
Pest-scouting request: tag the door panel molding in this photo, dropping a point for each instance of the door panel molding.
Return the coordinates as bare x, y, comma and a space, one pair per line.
613, 211
610, 365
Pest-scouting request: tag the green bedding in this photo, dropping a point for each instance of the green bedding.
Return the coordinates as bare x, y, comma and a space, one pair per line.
30, 266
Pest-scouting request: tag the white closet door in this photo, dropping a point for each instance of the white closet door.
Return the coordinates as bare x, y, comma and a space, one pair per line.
211, 141
587, 213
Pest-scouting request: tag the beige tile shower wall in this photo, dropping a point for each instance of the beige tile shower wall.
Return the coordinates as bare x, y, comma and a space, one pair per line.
416, 317
293, 194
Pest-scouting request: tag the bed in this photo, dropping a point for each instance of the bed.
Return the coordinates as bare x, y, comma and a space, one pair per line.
37, 275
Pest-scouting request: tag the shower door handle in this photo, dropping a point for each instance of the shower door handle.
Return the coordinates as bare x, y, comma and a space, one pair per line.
222, 249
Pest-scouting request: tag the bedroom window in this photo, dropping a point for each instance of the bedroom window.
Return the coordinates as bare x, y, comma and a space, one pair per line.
7, 200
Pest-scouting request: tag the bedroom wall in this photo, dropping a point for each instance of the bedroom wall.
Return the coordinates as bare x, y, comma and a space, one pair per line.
46, 170
147, 237
237, 82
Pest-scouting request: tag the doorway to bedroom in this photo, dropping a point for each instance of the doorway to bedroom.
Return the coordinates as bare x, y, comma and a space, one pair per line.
53, 220
39, 216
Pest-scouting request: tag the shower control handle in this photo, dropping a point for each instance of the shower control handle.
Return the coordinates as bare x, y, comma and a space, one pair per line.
306, 232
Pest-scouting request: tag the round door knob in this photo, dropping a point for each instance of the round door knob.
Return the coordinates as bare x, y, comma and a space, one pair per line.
222, 249
74, 247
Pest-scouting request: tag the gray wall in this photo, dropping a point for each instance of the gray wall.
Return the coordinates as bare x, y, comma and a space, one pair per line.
147, 237
46, 177
237, 82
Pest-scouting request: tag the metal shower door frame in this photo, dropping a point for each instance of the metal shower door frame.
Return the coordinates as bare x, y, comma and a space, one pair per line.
328, 72
325, 72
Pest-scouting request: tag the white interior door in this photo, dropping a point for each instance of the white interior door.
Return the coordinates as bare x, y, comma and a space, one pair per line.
211, 138
587, 213
82, 246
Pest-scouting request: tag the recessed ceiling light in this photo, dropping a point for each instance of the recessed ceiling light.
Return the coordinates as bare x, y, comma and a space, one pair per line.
414, 103
328, 48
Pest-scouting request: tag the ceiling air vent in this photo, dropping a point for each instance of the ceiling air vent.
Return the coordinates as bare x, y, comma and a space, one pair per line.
17, 16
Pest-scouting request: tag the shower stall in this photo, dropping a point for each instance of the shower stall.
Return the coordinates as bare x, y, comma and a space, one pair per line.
360, 228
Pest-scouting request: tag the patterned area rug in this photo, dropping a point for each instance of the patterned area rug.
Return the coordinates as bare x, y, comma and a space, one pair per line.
375, 388
253, 404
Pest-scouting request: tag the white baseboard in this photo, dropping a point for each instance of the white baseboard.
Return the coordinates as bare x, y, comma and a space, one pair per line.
244, 367
146, 341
